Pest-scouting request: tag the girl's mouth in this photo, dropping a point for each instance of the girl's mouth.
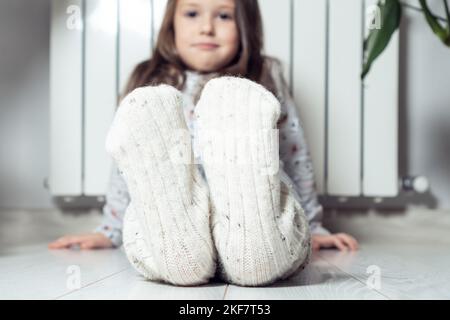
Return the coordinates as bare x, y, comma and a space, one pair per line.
206, 46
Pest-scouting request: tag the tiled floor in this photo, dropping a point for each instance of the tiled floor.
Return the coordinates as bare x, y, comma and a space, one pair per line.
402, 256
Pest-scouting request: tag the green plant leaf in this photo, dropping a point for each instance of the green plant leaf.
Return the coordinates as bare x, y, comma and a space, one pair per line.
447, 12
378, 39
442, 32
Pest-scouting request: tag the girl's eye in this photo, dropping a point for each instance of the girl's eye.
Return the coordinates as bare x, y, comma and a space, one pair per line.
191, 14
225, 16
222, 16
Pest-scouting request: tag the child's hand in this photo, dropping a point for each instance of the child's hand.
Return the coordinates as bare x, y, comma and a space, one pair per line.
342, 241
84, 241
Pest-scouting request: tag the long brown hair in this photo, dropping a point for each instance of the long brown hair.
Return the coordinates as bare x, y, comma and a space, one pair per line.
165, 65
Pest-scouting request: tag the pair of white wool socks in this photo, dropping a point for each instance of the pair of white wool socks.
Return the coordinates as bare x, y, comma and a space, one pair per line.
177, 226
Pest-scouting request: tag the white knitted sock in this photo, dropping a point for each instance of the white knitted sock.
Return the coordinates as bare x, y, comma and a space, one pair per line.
260, 230
167, 233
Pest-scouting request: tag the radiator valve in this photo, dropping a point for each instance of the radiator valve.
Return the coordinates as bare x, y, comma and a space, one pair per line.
417, 184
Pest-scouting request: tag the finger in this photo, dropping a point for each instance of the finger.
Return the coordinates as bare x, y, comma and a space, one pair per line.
70, 241
55, 245
356, 244
318, 244
62, 242
348, 240
88, 245
338, 243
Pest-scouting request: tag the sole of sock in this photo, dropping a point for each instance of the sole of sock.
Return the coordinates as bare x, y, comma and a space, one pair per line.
169, 198
256, 242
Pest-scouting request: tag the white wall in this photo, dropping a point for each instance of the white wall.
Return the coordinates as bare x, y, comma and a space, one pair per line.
425, 105
24, 98
24, 110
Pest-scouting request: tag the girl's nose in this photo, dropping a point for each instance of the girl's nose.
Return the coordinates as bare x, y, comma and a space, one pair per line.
207, 26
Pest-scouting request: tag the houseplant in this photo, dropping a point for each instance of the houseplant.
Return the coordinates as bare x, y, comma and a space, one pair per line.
390, 14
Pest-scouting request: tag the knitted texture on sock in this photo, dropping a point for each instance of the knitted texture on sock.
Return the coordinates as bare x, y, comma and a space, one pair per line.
167, 224
259, 229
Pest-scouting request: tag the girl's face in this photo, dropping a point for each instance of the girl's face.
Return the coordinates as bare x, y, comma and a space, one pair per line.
206, 34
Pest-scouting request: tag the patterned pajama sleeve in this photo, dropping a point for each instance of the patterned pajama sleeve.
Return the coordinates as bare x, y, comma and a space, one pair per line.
294, 153
117, 200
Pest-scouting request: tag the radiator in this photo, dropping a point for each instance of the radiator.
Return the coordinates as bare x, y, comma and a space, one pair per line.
351, 126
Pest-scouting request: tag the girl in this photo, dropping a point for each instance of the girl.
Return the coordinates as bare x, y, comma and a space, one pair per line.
199, 43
